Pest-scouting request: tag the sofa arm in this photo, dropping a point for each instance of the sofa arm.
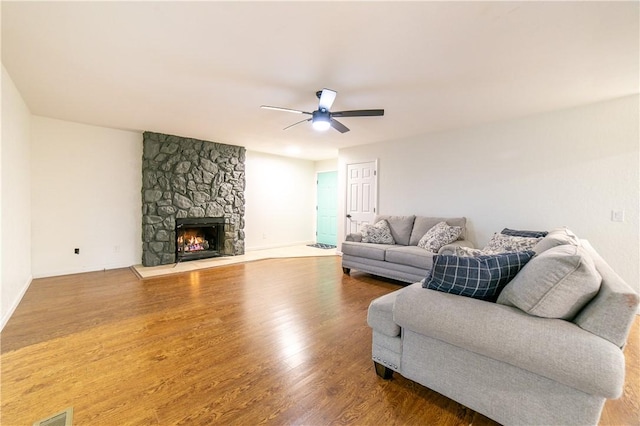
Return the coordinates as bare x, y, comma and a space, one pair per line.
354, 237
380, 315
552, 348
451, 248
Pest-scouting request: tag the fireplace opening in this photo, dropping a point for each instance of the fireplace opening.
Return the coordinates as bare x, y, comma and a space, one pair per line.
199, 238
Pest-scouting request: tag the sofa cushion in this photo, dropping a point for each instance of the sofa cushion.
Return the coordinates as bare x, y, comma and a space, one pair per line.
377, 234
366, 250
501, 243
481, 277
439, 236
410, 256
400, 226
556, 237
422, 224
555, 284
521, 233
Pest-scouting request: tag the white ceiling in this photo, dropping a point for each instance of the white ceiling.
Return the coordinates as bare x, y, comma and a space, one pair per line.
202, 69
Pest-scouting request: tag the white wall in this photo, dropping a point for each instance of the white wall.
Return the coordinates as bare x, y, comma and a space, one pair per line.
280, 201
86, 184
15, 199
567, 168
330, 165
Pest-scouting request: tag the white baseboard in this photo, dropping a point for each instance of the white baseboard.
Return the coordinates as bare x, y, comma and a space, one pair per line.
14, 305
81, 269
274, 246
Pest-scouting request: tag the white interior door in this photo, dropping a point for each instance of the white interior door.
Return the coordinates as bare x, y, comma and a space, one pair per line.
362, 191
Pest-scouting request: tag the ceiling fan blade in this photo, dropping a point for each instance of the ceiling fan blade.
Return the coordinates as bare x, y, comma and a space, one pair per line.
358, 113
326, 99
339, 126
284, 109
301, 121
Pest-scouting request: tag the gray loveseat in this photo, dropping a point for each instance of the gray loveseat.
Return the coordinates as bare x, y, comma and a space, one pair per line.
404, 260
512, 366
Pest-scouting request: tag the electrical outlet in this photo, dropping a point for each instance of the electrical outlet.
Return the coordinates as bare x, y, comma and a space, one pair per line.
617, 215
116, 249
76, 250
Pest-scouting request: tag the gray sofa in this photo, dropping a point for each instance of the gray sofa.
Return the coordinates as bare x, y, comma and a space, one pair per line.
511, 366
404, 260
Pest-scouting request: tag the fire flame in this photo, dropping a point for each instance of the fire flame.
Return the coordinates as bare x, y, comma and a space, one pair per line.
192, 242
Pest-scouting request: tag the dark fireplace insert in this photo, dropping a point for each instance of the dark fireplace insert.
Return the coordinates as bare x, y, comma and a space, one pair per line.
199, 238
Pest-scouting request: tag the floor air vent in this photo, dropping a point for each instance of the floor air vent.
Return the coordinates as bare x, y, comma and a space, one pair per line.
63, 418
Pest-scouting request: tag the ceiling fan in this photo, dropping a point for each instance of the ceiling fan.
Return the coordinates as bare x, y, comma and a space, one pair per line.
322, 118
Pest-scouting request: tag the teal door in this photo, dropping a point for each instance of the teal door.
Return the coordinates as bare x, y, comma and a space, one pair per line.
327, 208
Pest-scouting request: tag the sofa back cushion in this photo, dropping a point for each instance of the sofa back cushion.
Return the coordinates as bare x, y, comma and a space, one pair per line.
400, 226
557, 283
423, 223
556, 237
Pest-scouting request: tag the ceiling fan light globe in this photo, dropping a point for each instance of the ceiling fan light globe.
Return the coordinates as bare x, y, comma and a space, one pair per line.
321, 125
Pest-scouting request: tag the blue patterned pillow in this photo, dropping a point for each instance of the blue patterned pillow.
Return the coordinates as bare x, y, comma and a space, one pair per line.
481, 277
528, 234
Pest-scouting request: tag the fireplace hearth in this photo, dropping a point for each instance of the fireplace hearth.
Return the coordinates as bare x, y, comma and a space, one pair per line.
199, 238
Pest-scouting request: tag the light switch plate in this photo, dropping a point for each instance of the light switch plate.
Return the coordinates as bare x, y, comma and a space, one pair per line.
617, 215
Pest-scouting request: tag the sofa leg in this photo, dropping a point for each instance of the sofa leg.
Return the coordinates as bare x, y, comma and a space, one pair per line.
346, 270
382, 371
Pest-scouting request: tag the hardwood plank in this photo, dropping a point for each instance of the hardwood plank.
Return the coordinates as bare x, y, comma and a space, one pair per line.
280, 341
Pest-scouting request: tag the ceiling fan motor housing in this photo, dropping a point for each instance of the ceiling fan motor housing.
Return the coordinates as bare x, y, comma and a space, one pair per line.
321, 114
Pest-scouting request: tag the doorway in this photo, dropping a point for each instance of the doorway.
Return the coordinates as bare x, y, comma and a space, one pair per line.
327, 208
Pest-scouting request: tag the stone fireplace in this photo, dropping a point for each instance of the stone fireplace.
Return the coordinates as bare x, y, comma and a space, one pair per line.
190, 179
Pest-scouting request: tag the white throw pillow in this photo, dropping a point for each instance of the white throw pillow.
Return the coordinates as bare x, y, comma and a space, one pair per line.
438, 236
380, 233
501, 243
469, 252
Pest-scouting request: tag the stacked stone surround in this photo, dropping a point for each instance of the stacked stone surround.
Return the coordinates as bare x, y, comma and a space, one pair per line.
183, 177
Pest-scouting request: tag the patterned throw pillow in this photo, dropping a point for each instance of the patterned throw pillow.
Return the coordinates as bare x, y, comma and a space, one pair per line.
520, 233
481, 277
468, 252
439, 235
501, 243
377, 234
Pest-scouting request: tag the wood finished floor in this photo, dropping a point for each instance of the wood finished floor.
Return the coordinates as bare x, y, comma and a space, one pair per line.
281, 341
